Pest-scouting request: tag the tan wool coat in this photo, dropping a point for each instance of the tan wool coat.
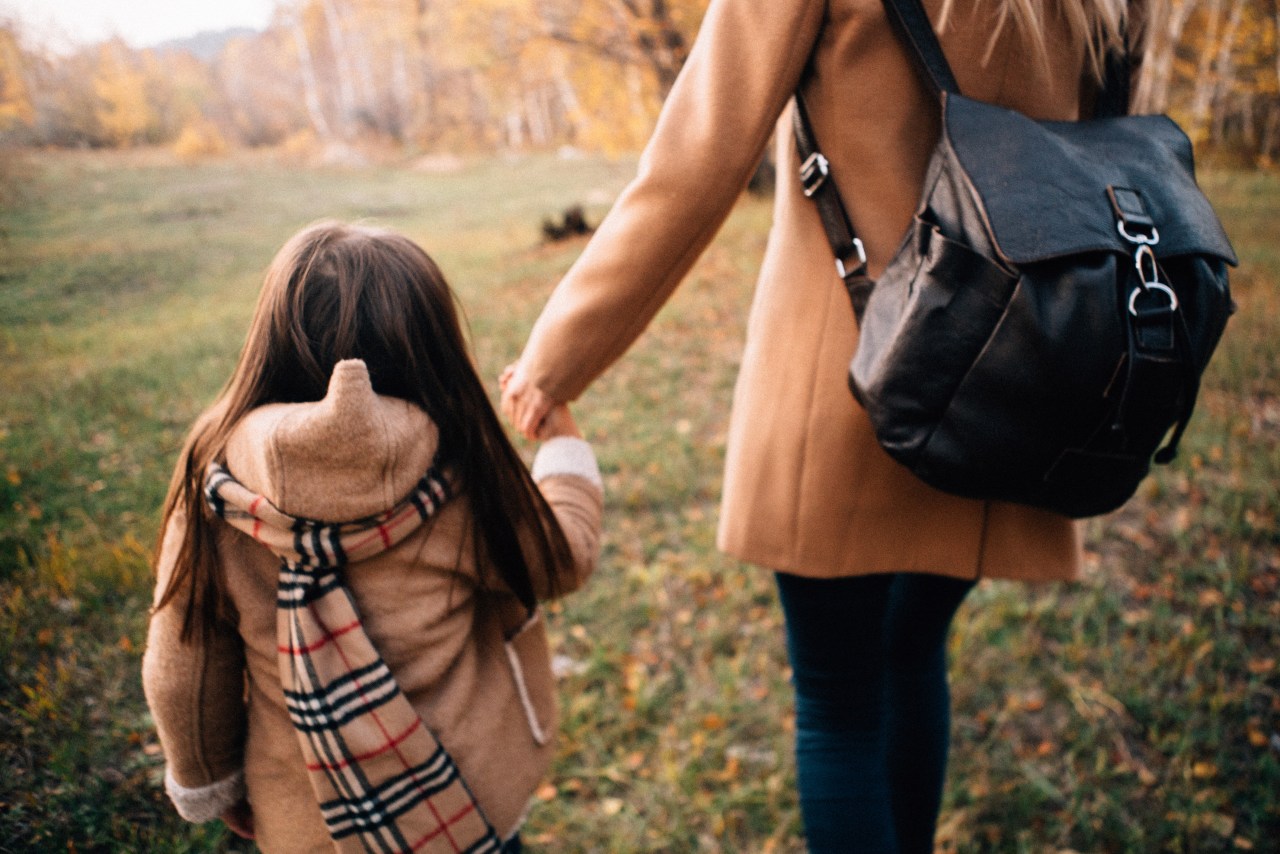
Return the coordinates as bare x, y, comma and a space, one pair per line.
807, 489
460, 645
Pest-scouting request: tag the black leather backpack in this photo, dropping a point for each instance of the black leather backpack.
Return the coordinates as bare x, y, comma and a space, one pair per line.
1040, 334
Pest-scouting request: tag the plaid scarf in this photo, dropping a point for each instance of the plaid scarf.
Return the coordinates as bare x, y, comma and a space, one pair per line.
383, 781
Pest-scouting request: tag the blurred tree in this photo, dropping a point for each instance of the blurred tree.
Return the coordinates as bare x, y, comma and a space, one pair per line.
655, 34
296, 22
123, 113
181, 92
15, 98
625, 55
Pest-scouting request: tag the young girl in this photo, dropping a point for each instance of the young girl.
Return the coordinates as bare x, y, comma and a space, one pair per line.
345, 649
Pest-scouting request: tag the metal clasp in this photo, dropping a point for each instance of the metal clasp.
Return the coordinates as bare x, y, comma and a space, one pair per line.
1145, 253
1148, 287
814, 172
1150, 282
1141, 239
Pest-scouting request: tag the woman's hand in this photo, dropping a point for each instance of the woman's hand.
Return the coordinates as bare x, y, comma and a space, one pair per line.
239, 817
524, 404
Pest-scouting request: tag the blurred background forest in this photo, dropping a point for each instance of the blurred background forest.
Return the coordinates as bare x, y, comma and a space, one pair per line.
335, 79
325, 75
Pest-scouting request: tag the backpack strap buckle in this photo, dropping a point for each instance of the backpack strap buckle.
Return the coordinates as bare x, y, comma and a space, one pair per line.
814, 173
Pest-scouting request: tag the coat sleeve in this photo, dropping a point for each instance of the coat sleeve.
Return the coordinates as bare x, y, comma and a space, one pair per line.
717, 119
565, 470
196, 695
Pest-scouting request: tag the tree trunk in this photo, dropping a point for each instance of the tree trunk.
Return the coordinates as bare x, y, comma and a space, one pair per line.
539, 116
1270, 135
430, 95
310, 87
402, 98
341, 66
1269, 144
1202, 99
572, 106
1157, 74
1224, 70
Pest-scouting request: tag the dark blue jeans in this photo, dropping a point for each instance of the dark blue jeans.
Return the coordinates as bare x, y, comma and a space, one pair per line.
873, 711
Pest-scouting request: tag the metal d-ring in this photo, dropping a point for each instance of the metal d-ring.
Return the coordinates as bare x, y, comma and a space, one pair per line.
1143, 239
1147, 286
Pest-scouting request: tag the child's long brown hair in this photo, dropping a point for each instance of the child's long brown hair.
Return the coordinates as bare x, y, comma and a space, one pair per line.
337, 291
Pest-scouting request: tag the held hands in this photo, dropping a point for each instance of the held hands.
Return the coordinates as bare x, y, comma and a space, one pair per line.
239, 818
559, 422
534, 414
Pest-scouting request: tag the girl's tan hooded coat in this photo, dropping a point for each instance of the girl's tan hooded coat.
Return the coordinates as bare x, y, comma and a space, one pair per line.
807, 489
438, 620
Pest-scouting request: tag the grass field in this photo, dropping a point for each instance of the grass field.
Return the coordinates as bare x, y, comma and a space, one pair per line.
1135, 711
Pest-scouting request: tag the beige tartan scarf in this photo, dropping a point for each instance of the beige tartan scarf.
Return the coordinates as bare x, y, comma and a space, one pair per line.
383, 781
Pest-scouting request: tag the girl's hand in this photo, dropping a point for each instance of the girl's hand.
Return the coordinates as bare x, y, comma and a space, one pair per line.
523, 403
239, 818
559, 422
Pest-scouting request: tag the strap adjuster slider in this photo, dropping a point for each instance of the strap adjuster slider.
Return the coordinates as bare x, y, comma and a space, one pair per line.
814, 172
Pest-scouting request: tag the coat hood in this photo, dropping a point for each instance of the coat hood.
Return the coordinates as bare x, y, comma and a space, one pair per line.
349, 456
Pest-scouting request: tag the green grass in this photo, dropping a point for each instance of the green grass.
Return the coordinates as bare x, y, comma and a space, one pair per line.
1138, 710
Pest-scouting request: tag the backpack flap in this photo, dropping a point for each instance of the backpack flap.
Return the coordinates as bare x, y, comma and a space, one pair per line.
1046, 187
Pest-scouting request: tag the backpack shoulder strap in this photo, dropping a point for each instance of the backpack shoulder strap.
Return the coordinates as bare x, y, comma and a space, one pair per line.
1113, 97
911, 23
816, 182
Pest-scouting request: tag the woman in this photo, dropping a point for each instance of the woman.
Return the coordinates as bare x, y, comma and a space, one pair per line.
871, 563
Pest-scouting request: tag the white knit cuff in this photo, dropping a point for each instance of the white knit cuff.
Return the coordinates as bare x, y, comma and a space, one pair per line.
567, 455
206, 802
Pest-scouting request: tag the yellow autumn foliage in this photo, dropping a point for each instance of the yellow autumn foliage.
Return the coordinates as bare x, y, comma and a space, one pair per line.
122, 111
199, 140
15, 99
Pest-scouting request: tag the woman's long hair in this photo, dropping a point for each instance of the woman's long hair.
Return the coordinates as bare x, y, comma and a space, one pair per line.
337, 291
1101, 25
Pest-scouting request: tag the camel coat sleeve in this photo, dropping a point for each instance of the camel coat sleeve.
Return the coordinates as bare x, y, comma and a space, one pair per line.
714, 126
196, 695
566, 472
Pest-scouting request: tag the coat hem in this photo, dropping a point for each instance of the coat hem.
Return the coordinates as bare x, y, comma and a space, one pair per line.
766, 560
